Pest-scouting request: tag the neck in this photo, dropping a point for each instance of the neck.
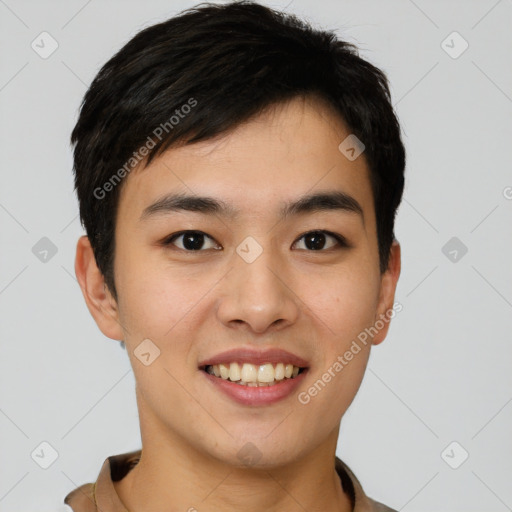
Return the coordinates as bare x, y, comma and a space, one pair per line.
172, 472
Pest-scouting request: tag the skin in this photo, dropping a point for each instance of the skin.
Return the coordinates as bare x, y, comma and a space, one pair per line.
194, 305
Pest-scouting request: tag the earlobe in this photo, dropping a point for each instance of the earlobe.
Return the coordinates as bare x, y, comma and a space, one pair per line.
389, 282
98, 298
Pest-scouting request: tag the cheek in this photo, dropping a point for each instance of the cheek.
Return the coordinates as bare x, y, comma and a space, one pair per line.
343, 305
345, 302
156, 300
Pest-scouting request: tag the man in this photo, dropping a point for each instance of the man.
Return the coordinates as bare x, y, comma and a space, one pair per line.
238, 175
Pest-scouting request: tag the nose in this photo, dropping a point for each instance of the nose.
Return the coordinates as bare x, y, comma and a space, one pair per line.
257, 297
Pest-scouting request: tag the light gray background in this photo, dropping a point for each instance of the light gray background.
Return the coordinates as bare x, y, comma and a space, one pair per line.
443, 373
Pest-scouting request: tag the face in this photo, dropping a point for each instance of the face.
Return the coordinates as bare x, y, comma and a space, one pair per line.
247, 275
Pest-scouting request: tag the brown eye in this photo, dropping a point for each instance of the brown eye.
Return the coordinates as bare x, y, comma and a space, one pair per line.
190, 241
321, 240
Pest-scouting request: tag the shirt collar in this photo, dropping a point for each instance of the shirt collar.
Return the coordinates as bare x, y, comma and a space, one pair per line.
102, 496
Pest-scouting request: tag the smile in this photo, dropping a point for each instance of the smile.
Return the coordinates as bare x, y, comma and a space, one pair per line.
253, 375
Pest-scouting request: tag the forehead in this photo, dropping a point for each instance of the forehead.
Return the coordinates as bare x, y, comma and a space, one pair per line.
288, 151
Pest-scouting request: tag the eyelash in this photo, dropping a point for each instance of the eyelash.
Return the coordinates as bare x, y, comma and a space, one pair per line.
342, 242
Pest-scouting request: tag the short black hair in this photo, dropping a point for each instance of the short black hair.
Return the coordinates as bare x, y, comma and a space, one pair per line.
201, 74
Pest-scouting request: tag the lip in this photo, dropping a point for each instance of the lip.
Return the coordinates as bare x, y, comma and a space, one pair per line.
256, 357
254, 396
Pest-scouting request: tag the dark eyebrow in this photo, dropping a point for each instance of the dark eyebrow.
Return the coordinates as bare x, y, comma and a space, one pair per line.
320, 201
177, 202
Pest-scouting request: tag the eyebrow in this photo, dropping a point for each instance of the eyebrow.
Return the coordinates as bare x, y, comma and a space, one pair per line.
320, 201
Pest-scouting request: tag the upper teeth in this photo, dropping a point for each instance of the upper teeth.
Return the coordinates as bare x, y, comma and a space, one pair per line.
251, 373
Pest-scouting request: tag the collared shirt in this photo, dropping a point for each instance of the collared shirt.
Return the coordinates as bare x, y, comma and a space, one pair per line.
101, 496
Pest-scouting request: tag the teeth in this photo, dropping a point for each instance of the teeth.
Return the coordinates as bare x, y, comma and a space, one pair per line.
279, 372
254, 375
266, 373
234, 372
249, 373
224, 371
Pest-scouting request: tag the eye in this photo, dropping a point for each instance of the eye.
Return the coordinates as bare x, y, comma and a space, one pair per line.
316, 240
190, 241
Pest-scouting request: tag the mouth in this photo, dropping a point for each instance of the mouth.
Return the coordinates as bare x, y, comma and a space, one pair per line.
253, 375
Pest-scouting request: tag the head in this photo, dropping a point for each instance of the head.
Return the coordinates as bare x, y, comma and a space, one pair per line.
241, 114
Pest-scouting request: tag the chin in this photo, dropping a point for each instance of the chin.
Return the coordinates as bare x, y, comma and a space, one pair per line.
259, 452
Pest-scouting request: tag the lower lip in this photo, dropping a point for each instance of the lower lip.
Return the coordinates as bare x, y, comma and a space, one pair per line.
252, 395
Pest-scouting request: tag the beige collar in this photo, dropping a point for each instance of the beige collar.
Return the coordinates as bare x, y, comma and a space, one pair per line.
102, 496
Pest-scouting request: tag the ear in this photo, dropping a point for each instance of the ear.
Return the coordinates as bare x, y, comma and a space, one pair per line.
388, 284
98, 298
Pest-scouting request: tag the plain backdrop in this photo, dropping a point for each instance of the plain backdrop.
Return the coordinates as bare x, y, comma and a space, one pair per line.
438, 390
